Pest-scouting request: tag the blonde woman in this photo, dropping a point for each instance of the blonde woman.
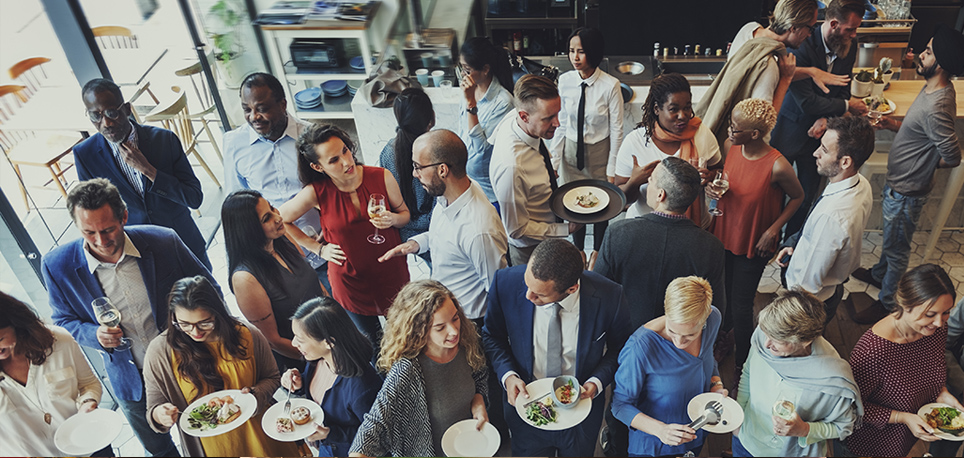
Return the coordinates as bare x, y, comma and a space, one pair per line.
436, 375
791, 361
650, 394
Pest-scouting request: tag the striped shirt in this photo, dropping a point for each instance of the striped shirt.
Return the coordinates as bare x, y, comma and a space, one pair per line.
133, 176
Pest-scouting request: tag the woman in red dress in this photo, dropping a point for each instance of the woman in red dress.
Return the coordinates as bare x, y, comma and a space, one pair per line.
340, 189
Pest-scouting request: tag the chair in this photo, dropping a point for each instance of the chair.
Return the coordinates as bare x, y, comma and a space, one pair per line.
30, 72
174, 117
114, 37
12, 97
139, 111
205, 101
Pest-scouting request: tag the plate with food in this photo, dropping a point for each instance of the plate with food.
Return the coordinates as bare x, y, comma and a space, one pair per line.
462, 439
298, 424
541, 411
217, 413
880, 104
732, 413
948, 422
585, 199
86, 433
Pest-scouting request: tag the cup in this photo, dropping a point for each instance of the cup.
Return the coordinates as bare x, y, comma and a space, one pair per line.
446, 84
437, 76
422, 75
445, 58
427, 59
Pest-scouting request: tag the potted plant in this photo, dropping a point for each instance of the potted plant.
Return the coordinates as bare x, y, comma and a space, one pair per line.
863, 83
884, 69
225, 18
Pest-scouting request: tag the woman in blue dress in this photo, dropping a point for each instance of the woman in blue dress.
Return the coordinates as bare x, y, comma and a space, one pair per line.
339, 375
665, 363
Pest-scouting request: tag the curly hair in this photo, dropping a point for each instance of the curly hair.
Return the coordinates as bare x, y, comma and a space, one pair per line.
688, 300
94, 194
410, 319
34, 340
660, 90
757, 113
795, 316
312, 137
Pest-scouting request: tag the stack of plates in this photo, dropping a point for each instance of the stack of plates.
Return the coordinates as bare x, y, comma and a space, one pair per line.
335, 88
353, 86
308, 99
358, 63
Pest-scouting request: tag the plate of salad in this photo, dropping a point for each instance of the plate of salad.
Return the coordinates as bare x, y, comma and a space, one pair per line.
217, 413
544, 414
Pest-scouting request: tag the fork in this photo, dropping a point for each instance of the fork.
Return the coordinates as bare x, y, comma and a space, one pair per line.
711, 415
288, 403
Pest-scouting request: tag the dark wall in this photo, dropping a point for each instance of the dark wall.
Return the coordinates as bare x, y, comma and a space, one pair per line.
632, 26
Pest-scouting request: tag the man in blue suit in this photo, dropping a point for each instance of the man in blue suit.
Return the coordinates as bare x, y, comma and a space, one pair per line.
560, 320
803, 116
135, 268
147, 164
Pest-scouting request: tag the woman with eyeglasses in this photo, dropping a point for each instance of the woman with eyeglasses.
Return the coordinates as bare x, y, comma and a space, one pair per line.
205, 350
269, 275
753, 212
486, 98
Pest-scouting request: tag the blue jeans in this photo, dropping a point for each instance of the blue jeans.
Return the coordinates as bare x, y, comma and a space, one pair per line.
901, 215
155, 443
370, 327
737, 448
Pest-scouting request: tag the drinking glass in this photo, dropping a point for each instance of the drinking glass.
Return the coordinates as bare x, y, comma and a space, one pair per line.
719, 185
376, 205
109, 316
784, 407
874, 116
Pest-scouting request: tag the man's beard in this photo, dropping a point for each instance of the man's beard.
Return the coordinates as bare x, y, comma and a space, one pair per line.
925, 72
831, 170
839, 44
436, 188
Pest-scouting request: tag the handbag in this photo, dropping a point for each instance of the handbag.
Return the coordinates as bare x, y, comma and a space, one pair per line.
386, 83
523, 66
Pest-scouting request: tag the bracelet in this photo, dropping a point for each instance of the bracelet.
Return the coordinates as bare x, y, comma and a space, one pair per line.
85, 401
718, 382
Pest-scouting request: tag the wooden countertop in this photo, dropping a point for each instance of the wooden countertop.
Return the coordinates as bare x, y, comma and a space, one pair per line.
903, 94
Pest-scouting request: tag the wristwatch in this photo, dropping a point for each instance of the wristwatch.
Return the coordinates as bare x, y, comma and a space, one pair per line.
473, 110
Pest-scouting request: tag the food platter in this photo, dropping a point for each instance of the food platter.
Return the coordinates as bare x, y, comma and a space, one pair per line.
615, 201
565, 418
732, 413
247, 402
941, 434
586, 199
86, 433
891, 106
270, 417
462, 439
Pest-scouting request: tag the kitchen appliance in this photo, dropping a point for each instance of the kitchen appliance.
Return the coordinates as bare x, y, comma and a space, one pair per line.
313, 54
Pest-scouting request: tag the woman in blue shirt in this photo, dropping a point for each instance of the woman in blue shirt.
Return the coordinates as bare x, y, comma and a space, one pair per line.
665, 363
339, 375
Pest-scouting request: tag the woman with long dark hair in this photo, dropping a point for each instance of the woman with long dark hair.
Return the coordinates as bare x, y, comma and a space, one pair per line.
486, 98
341, 189
339, 375
60, 386
415, 116
668, 128
269, 274
205, 350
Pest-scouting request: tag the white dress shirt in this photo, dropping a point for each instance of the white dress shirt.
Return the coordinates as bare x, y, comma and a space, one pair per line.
829, 247
521, 185
124, 285
468, 244
604, 114
59, 386
645, 151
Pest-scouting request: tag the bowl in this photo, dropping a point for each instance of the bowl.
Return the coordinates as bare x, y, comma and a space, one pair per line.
561, 381
630, 67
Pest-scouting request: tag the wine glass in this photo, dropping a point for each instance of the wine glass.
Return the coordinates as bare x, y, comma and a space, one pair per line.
719, 185
784, 407
376, 205
874, 116
109, 316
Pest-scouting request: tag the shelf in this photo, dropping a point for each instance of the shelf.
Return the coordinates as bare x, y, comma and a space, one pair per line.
343, 72
334, 108
529, 23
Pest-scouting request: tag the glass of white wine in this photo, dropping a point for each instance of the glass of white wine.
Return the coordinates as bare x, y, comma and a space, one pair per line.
109, 316
874, 116
719, 185
784, 407
376, 205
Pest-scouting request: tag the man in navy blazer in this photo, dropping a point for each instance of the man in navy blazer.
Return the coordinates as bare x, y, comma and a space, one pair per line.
147, 164
592, 326
135, 267
803, 116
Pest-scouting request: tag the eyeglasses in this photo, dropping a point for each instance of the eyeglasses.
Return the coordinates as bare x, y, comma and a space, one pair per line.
205, 325
112, 113
418, 168
734, 131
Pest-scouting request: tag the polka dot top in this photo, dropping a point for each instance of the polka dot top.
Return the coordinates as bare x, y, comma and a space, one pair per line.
894, 376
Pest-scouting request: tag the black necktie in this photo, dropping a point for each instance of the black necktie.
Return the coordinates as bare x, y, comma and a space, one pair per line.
580, 121
545, 158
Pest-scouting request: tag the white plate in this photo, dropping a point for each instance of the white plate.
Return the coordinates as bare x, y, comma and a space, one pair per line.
893, 106
569, 200
941, 434
301, 431
565, 418
732, 413
86, 433
462, 439
247, 402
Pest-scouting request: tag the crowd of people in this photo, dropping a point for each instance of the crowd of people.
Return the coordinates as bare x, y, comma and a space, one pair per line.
316, 245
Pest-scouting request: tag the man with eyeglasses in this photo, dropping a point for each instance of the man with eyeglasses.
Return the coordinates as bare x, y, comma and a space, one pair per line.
133, 266
146, 164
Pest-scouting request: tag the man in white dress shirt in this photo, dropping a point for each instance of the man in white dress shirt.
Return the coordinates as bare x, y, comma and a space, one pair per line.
827, 249
521, 171
466, 238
